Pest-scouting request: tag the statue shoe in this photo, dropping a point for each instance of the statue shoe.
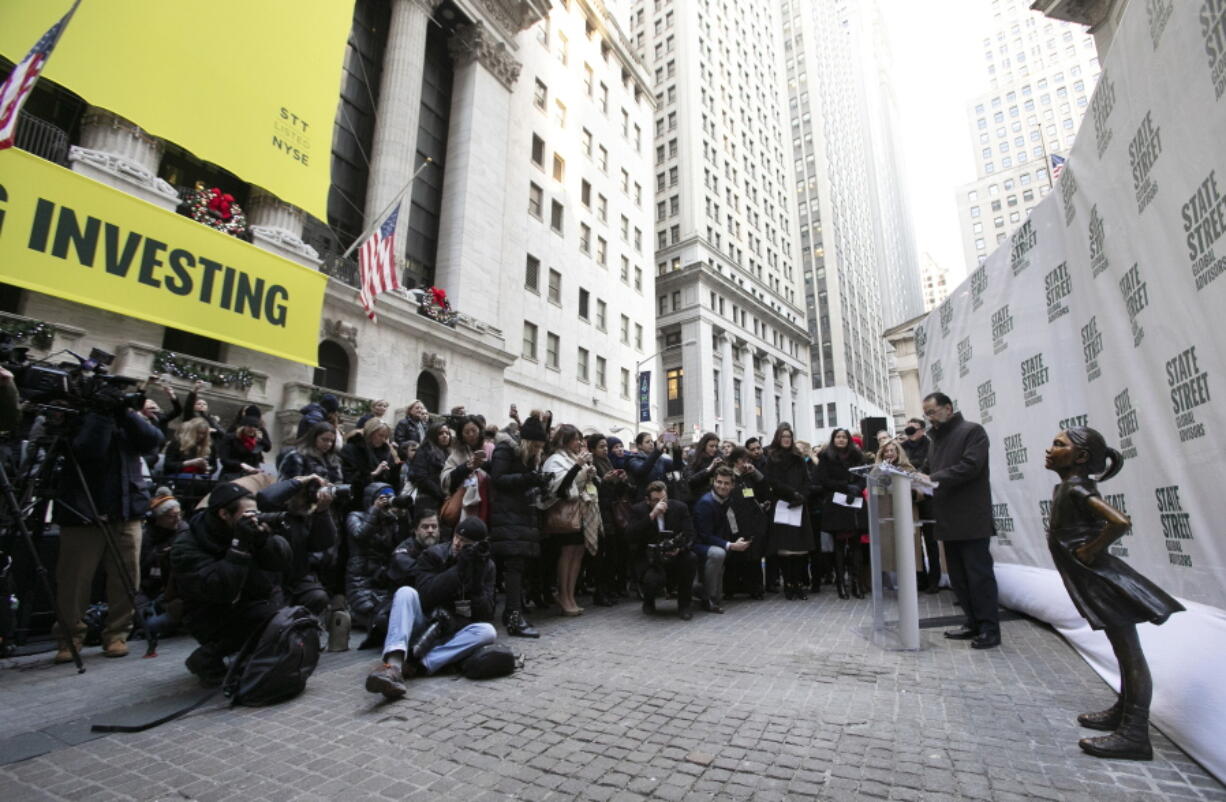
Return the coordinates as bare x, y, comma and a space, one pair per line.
1118, 747
1107, 720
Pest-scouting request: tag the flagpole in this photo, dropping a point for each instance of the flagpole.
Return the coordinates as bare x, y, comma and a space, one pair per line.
378, 219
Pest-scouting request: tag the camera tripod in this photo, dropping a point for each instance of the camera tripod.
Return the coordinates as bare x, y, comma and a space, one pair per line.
58, 456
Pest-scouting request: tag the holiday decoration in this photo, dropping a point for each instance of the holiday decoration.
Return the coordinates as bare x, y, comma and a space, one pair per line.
191, 370
216, 209
434, 305
36, 332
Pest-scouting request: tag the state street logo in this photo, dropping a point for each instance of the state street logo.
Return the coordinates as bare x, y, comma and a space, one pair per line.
938, 374
1073, 421
987, 400
1213, 29
1118, 500
1189, 390
964, 357
1101, 107
1127, 424
1204, 219
1002, 523
1143, 152
1002, 324
1058, 285
979, 285
1098, 239
1068, 190
1176, 525
947, 315
1136, 298
1158, 12
921, 341
1045, 513
1023, 241
1016, 456
1091, 348
1034, 375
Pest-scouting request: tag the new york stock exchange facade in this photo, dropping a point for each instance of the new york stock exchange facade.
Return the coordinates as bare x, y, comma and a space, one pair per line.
417, 78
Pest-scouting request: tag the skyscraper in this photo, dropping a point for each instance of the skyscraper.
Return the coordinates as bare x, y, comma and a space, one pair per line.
857, 246
731, 328
1041, 74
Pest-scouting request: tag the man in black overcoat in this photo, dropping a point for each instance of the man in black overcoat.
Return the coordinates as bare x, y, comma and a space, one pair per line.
659, 520
962, 503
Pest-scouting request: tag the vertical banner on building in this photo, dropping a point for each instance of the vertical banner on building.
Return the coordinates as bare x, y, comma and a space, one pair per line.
1104, 309
645, 395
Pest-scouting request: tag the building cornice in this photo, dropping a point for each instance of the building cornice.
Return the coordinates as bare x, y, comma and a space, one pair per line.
474, 43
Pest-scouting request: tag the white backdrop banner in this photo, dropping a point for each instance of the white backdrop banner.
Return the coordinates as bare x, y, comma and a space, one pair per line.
1107, 308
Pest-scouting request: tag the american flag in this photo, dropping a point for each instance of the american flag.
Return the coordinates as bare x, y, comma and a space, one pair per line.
15, 90
377, 263
1057, 166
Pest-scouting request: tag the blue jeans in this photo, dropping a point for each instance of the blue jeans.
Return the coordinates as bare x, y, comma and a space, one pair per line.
407, 621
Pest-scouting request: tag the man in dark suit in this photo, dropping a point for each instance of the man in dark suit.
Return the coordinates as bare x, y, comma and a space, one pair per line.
962, 504
661, 534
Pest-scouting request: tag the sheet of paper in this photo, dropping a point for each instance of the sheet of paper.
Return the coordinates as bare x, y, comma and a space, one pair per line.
788, 515
843, 501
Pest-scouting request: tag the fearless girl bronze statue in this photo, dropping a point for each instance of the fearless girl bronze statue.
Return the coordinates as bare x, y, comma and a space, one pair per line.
1109, 594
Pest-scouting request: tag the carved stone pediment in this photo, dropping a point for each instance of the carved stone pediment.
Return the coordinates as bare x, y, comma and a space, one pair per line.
474, 43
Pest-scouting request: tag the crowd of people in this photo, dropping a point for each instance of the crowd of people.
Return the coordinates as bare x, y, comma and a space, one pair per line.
420, 530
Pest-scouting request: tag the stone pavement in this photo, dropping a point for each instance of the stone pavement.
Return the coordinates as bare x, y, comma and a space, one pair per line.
774, 700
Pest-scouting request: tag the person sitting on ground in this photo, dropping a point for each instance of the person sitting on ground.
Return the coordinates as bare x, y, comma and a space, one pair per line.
373, 535
310, 529
377, 410
242, 450
226, 569
443, 618
427, 468
714, 537
316, 453
325, 409
369, 457
414, 425
660, 534
161, 609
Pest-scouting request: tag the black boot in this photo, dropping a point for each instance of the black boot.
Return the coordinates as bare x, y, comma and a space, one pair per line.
855, 588
1108, 720
840, 587
1130, 741
518, 627
434, 634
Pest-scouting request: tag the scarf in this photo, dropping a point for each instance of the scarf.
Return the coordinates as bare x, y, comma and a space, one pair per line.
583, 490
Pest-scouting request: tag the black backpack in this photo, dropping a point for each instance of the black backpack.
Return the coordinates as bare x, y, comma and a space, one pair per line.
274, 664
490, 661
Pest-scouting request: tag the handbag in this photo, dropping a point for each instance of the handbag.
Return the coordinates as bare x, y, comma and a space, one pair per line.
564, 517
621, 515
449, 515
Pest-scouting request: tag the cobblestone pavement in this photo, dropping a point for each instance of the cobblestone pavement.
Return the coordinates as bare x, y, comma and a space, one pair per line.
774, 700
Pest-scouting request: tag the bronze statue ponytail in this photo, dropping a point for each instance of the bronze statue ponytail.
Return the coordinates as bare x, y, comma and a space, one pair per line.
1097, 451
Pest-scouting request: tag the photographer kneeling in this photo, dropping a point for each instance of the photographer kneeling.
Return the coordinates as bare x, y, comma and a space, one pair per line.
429, 627
373, 537
307, 524
661, 534
227, 566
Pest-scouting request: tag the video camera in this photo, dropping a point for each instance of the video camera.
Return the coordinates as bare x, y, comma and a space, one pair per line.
657, 552
81, 386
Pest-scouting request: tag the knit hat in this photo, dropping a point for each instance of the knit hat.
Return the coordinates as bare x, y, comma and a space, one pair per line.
163, 502
533, 429
613, 441
226, 494
472, 528
329, 402
253, 421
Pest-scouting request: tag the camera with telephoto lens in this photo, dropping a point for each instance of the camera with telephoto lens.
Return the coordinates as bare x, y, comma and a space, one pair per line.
480, 548
270, 519
658, 552
402, 503
339, 494
81, 386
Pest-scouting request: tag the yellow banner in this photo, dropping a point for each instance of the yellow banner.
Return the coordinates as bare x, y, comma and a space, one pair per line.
74, 238
250, 86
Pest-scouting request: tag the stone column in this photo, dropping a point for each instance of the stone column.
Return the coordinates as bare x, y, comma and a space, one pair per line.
118, 153
727, 401
474, 182
747, 396
277, 226
769, 421
697, 357
393, 157
786, 405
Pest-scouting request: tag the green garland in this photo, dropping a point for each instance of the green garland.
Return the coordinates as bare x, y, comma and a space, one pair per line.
40, 334
217, 210
357, 409
172, 363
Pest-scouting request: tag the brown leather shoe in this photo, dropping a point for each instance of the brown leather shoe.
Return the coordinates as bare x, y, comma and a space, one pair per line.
64, 654
385, 679
116, 648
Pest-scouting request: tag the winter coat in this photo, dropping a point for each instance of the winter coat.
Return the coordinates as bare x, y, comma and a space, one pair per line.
642, 530
786, 471
959, 462
751, 505
357, 462
172, 463
312, 414
109, 449
833, 475
308, 535
233, 454
211, 577
155, 546
372, 540
697, 479
425, 474
298, 463
409, 429
711, 527
441, 581
515, 526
